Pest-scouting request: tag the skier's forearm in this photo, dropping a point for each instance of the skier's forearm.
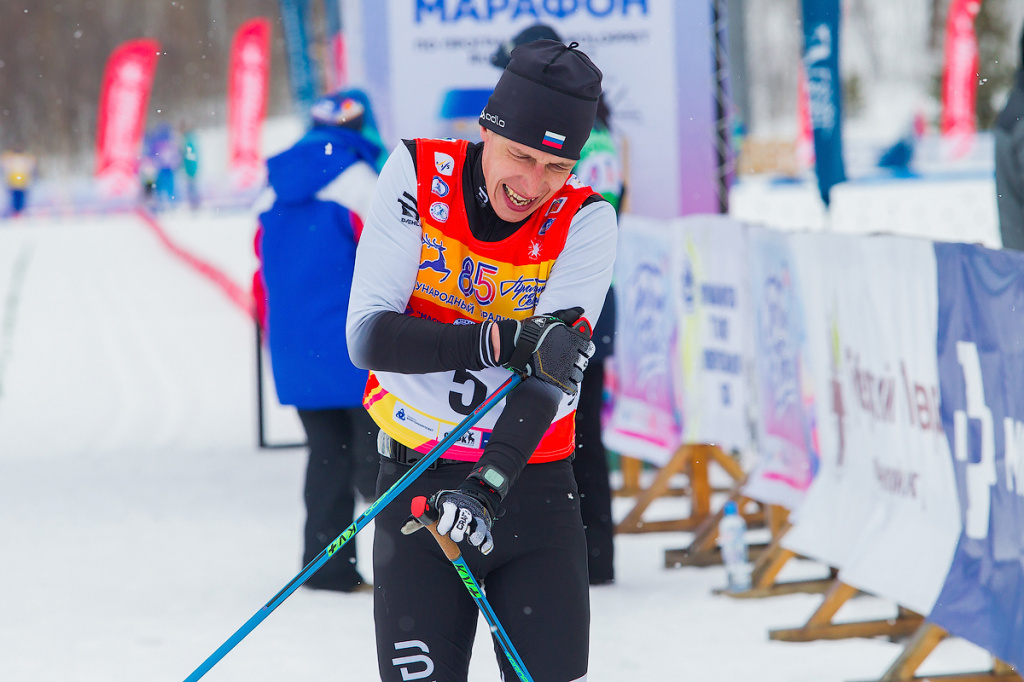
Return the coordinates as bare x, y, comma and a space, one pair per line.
412, 345
529, 411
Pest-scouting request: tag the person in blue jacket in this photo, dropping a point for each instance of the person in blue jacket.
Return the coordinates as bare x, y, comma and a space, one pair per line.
320, 189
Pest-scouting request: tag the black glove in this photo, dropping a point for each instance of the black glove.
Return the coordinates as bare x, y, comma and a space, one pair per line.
469, 511
554, 348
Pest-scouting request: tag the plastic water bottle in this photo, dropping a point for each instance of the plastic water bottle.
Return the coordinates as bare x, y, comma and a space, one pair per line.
732, 538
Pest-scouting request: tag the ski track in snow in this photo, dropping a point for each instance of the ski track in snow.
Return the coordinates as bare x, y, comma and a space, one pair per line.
140, 525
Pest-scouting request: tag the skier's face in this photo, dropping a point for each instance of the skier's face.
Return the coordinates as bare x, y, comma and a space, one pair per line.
519, 179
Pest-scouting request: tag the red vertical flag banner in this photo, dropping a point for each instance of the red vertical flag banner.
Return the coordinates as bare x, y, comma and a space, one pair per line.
121, 117
960, 74
248, 82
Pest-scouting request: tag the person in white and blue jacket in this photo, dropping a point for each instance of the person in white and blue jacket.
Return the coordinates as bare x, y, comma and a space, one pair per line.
319, 191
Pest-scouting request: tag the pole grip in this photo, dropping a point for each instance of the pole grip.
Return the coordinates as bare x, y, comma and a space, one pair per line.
428, 517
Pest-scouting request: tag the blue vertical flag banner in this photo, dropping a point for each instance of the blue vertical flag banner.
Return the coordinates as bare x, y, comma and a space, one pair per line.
300, 66
981, 380
824, 86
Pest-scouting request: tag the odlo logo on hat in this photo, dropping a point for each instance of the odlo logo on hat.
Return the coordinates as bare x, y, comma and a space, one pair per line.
496, 120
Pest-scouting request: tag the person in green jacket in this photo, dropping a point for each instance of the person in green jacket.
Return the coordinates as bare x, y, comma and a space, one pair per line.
190, 162
600, 167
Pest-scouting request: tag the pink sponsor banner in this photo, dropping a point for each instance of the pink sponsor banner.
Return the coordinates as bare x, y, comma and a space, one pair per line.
805, 131
339, 67
645, 422
960, 74
248, 83
121, 117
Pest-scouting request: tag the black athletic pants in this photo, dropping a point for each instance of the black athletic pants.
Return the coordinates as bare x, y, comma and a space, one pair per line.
342, 460
591, 470
535, 579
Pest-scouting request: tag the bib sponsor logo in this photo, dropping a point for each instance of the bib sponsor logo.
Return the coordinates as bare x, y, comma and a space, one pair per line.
523, 291
556, 206
444, 163
414, 421
439, 187
439, 211
575, 182
546, 226
474, 438
438, 264
533, 251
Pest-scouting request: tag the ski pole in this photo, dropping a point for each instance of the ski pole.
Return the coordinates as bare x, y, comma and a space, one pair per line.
361, 522
422, 512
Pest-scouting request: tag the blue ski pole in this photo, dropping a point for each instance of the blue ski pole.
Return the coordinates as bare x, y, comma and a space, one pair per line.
427, 516
364, 519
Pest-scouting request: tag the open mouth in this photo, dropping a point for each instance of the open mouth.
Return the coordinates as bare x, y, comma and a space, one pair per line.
516, 199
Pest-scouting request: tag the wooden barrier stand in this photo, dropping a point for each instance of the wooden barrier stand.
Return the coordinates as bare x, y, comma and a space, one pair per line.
921, 645
820, 625
691, 460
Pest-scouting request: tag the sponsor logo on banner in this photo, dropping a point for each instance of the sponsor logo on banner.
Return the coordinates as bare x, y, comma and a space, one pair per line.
983, 417
413, 420
477, 11
439, 211
439, 187
444, 163
556, 206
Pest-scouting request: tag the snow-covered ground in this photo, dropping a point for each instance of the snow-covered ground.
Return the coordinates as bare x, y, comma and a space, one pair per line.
140, 525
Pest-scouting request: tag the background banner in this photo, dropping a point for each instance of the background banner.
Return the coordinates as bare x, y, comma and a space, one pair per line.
248, 84
121, 117
960, 74
824, 89
787, 440
644, 421
436, 53
301, 68
981, 373
882, 507
713, 344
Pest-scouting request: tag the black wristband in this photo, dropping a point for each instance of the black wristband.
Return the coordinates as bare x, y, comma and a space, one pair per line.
480, 491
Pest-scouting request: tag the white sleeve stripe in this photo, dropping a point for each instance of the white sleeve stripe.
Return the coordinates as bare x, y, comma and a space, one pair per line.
486, 350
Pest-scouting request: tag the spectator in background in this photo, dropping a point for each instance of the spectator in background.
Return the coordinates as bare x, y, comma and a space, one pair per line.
1009, 144
600, 167
163, 158
19, 170
190, 162
319, 191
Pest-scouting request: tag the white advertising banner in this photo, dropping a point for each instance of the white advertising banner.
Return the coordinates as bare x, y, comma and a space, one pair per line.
426, 65
713, 344
883, 506
783, 400
645, 422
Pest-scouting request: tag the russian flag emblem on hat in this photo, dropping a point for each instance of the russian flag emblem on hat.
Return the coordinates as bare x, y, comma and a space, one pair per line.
553, 139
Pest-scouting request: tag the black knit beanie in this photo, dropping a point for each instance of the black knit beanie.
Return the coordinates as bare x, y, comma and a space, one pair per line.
546, 98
